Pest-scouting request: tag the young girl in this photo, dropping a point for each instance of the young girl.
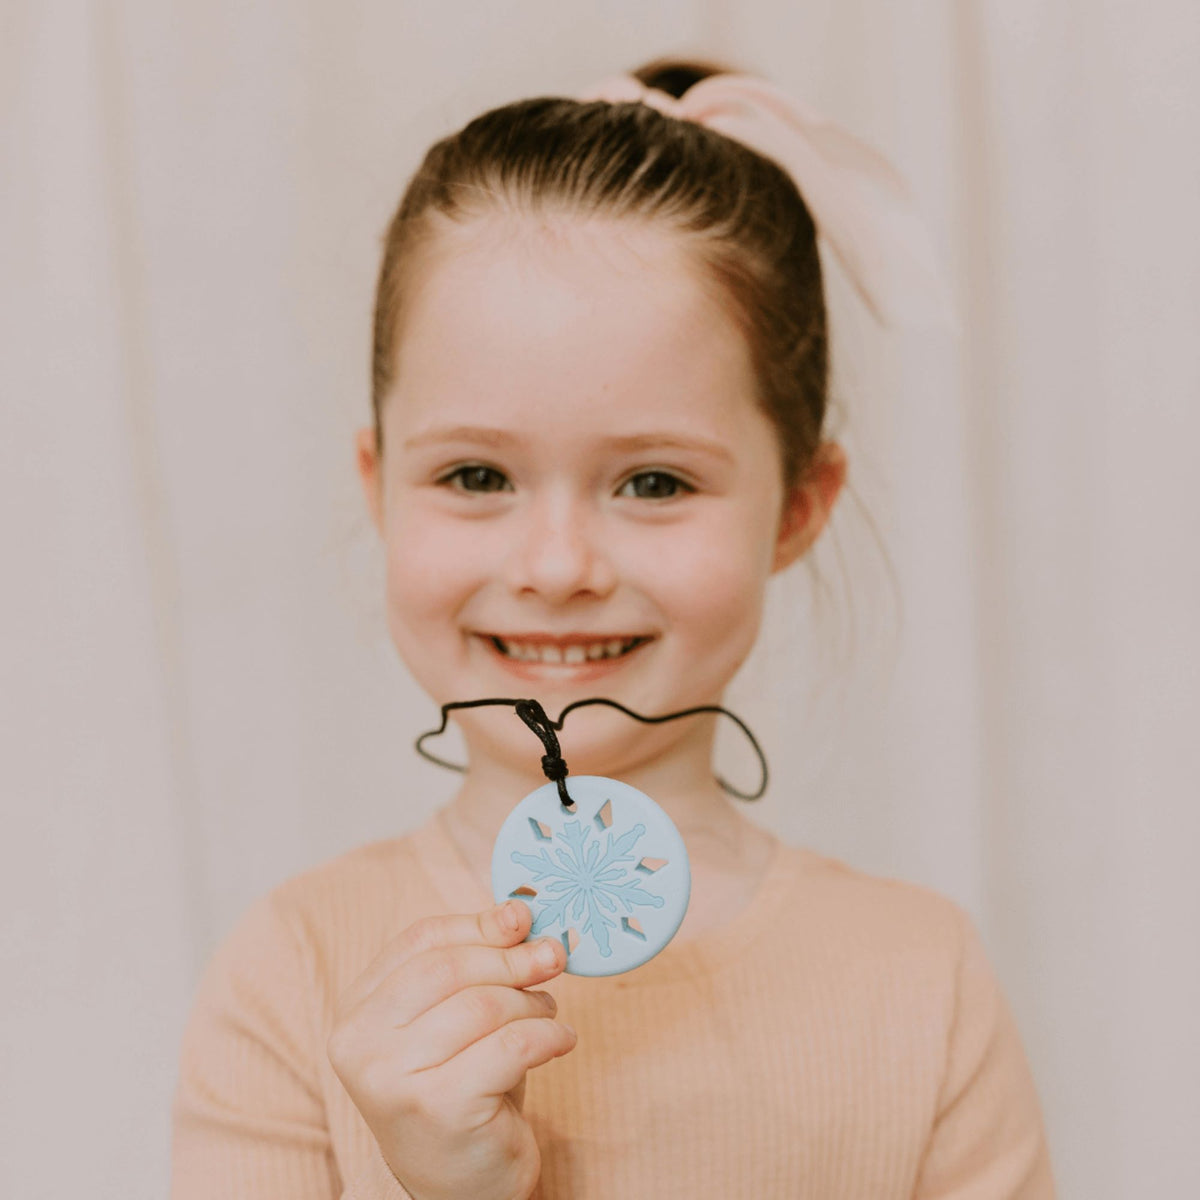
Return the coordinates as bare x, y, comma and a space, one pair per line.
599, 387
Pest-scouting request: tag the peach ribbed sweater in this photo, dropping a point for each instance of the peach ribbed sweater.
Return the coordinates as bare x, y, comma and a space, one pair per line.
843, 1037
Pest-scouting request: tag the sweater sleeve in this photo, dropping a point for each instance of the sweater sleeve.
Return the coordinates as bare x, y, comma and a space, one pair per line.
987, 1141
248, 1118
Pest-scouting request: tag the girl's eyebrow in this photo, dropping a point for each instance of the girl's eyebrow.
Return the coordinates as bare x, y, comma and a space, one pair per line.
461, 433
670, 441
485, 436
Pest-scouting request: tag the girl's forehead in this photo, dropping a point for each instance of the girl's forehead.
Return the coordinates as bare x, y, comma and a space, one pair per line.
541, 311
548, 236
555, 263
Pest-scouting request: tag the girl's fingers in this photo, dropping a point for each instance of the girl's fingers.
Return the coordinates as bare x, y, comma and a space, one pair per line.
497, 1063
492, 927
450, 1027
419, 984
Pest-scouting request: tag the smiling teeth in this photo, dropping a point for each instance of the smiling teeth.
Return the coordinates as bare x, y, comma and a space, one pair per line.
574, 654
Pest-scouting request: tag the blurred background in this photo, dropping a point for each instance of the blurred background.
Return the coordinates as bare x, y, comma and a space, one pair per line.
987, 684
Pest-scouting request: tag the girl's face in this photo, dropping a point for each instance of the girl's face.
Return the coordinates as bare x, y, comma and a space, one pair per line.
578, 494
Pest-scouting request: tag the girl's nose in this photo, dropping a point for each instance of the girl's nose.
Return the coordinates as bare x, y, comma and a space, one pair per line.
558, 554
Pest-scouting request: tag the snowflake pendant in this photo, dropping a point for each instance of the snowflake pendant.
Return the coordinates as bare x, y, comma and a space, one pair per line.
610, 879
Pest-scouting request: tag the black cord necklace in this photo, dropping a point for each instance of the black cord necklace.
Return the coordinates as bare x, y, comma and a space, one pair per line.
584, 877
555, 769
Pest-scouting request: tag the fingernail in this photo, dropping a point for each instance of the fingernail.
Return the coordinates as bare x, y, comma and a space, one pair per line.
509, 917
547, 954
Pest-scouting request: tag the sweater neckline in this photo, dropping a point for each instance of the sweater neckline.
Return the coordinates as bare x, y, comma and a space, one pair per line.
736, 939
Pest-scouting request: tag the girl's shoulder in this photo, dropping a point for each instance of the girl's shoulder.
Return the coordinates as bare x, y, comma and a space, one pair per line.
381, 871
380, 886
873, 921
326, 923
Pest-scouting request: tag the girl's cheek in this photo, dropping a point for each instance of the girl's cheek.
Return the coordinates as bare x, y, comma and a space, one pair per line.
431, 564
710, 571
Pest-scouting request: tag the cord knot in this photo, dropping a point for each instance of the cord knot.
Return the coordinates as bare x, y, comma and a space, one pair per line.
554, 767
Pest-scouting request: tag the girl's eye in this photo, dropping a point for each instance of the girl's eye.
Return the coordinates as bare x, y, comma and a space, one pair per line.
476, 478
654, 485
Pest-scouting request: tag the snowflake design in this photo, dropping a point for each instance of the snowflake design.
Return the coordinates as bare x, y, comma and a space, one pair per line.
587, 881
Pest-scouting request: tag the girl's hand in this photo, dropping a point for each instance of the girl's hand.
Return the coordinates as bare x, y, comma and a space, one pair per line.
432, 1042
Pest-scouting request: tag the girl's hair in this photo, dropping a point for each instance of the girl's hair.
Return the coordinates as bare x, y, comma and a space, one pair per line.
750, 226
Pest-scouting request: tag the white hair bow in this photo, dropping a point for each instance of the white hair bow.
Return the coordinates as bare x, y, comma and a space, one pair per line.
859, 202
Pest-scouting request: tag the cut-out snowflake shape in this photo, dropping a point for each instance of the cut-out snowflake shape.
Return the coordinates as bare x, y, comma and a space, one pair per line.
586, 881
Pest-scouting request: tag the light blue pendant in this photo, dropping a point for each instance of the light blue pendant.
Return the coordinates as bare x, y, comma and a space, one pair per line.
610, 879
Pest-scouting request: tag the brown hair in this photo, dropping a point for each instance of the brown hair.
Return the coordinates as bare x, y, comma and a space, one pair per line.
750, 225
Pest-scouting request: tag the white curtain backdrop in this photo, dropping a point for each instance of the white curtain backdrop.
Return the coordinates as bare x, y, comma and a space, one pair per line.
198, 695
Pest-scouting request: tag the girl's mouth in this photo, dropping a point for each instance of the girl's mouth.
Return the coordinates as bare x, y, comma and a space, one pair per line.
579, 656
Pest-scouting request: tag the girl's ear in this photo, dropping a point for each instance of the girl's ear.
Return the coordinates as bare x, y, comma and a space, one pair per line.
369, 475
807, 508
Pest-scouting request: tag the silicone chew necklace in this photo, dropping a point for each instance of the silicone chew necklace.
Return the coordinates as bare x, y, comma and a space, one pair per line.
600, 864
